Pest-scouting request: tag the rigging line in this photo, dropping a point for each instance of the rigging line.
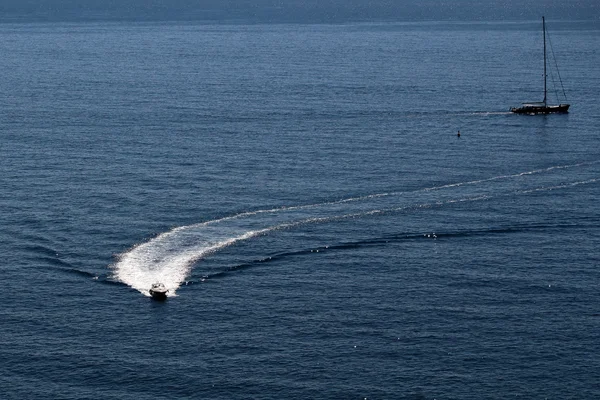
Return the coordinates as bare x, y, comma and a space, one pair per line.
554, 84
556, 65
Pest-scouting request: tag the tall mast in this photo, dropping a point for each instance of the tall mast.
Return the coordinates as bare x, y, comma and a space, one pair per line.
544, 29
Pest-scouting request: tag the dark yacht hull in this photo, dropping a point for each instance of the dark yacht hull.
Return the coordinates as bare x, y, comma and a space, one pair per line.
559, 109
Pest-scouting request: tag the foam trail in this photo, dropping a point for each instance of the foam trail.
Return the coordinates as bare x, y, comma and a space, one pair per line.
561, 186
169, 257
396, 193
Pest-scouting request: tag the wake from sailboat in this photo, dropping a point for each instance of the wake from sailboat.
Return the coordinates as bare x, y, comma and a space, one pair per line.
170, 256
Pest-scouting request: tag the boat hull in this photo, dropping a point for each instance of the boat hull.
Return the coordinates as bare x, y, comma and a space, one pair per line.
157, 295
541, 109
158, 291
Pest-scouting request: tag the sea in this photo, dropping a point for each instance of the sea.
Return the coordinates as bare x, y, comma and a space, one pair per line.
302, 190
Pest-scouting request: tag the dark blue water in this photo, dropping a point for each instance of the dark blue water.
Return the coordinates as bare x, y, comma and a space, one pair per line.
302, 191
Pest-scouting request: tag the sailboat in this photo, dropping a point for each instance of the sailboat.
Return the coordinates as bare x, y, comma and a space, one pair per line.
542, 107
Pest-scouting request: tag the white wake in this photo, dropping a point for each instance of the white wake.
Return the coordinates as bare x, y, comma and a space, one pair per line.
169, 257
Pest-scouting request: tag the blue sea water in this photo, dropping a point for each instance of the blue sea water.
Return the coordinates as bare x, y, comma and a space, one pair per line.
302, 191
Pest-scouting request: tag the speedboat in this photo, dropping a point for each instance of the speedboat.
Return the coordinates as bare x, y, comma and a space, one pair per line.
158, 291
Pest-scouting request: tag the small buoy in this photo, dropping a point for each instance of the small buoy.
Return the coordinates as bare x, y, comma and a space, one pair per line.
458, 134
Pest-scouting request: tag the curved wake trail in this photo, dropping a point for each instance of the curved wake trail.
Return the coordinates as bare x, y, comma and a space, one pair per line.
169, 257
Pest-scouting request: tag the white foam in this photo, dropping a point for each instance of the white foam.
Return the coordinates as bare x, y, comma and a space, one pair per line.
169, 257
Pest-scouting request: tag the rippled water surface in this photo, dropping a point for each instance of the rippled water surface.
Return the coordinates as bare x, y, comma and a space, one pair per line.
302, 192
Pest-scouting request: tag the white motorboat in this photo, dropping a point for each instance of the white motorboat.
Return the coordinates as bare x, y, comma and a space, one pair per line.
158, 291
